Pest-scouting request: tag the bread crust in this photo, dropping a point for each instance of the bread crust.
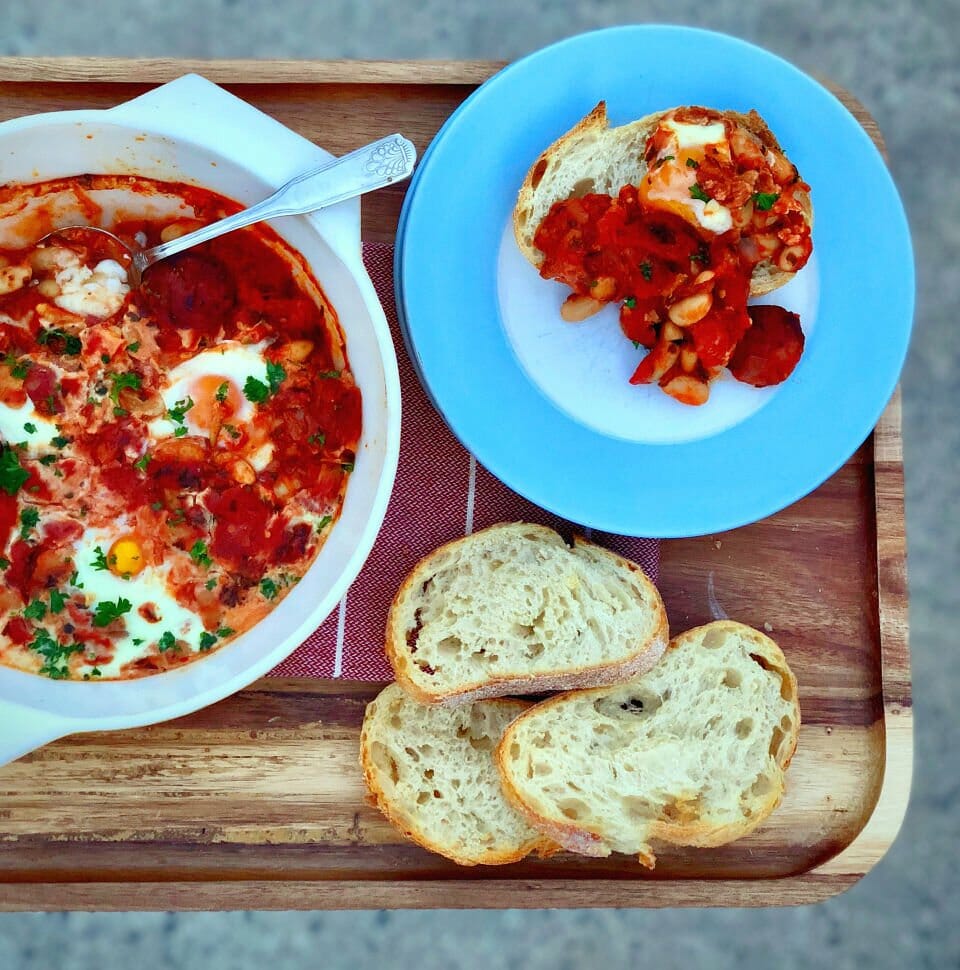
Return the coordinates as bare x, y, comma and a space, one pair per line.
380, 799
766, 277
589, 840
646, 656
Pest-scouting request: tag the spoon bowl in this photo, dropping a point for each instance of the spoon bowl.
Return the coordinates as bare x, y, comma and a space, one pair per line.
371, 167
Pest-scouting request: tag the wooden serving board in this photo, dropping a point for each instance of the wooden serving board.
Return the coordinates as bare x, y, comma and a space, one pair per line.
258, 802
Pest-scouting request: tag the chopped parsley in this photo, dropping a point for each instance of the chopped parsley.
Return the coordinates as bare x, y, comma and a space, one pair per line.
105, 358
107, 611
231, 430
765, 200
276, 375
137, 641
48, 459
37, 610
269, 588
99, 559
12, 475
4, 562
180, 432
211, 583
324, 522
119, 412
697, 193
317, 438
347, 466
61, 442
29, 427
630, 303
255, 391
120, 381
29, 517
93, 673
636, 344
141, 463
54, 654
74, 577
200, 555
646, 270
222, 391
156, 506
258, 392
18, 369
692, 163
178, 412
71, 342
57, 601
207, 640
332, 374
167, 642
134, 347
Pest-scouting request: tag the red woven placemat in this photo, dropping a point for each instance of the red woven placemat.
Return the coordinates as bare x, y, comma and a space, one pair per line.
441, 493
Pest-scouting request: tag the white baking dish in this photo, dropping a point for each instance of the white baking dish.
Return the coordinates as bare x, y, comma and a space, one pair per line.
190, 130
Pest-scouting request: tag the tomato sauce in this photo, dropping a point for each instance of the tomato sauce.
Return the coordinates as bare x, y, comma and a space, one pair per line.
683, 289
230, 494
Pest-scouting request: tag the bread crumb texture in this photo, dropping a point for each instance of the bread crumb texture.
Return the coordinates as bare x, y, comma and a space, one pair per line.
693, 752
431, 771
518, 601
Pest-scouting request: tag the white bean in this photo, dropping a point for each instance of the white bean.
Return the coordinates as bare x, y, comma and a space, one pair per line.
690, 309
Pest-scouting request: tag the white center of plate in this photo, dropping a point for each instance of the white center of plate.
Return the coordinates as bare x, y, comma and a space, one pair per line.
585, 368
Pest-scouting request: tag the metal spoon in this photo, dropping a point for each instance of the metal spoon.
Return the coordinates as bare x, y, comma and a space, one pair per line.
380, 163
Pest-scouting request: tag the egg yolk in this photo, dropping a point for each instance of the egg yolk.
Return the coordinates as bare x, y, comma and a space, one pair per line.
668, 185
125, 557
215, 399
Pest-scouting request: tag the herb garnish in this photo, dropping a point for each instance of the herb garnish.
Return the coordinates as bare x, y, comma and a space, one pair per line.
167, 642
71, 343
257, 392
765, 200
37, 610
697, 193
106, 611
120, 381
54, 654
200, 555
29, 517
12, 475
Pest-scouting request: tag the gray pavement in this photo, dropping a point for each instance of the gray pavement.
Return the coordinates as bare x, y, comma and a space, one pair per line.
901, 61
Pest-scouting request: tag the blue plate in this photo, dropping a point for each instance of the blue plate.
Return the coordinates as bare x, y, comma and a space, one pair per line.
544, 405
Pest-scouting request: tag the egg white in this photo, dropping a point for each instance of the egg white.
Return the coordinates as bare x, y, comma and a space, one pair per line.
13, 430
97, 292
148, 586
230, 360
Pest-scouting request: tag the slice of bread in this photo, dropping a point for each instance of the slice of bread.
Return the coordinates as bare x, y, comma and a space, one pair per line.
693, 752
593, 157
431, 771
513, 610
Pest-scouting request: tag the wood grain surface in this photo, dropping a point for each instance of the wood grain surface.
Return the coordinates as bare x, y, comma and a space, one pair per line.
258, 802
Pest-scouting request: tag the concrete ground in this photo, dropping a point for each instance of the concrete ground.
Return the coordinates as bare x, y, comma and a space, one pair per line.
901, 60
